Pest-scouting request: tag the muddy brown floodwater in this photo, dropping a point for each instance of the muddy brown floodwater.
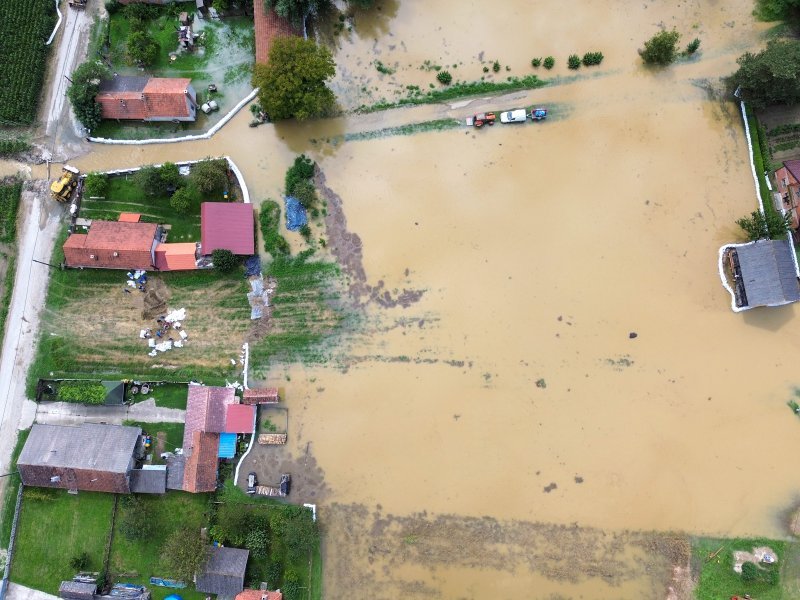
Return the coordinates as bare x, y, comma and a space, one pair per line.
504, 434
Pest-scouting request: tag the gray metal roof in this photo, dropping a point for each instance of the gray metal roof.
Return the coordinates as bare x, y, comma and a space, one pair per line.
768, 273
92, 446
148, 481
124, 84
176, 466
223, 573
74, 590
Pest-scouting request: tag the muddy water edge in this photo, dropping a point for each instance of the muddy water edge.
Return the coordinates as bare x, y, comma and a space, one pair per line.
504, 432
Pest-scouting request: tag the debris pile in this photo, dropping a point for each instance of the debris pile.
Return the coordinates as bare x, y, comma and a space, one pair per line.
163, 337
136, 280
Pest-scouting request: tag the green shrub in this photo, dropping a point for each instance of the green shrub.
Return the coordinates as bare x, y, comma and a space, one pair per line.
302, 169
485, 70
269, 218
210, 176
549, 62
13, 145
305, 231
224, 260
257, 541
693, 46
574, 61
142, 48
750, 572
444, 77
592, 58
536, 62
306, 193
496, 66
182, 200
79, 562
83, 392
95, 185
660, 49
171, 176
291, 585
112, 6
148, 178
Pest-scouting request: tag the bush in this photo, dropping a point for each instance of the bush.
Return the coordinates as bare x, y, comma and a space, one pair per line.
306, 194
291, 585
444, 77
574, 61
182, 200
142, 48
82, 392
592, 58
305, 231
496, 66
274, 573
769, 225
257, 541
210, 176
148, 178
269, 218
83, 90
549, 62
95, 185
660, 49
536, 62
692, 47
13, 145
224, 260
79, 562
750, 572
301, 170
112, 6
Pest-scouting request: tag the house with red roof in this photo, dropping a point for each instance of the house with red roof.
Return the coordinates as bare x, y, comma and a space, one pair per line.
260, 396
240, 418
200, 470
113, 245
268, 25
227, 225
205, 411
788, 183
147, 99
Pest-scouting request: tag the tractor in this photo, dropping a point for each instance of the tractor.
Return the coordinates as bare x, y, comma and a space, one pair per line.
481, 119
62, 188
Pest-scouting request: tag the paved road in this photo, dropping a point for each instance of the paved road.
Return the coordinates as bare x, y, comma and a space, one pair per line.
64, 413
20, 592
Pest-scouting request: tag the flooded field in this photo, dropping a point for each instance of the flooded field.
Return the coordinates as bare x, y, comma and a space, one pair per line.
567, 373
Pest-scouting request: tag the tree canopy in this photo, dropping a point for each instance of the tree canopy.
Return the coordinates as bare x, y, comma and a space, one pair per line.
770, 77
83, 90
661, 48
777, 10
142, 48
768, 225
296, 10
292, 83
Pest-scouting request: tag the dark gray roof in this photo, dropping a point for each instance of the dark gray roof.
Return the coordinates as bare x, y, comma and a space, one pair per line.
768, 273
74, 590
92, 446
124, 84
175, 468
149, 481
115, 393
223, 573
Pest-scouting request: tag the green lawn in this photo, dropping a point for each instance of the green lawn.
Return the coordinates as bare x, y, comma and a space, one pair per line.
168, 395
135, 561
718, 579
173, 431
124, 195
10, 499
55, 526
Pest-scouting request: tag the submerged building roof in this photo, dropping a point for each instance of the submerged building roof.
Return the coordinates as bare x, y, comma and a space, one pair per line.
768, 273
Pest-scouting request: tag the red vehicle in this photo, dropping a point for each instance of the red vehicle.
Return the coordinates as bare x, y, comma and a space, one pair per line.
481, 119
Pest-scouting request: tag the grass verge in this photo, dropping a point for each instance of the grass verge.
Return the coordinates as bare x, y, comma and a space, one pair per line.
758, 161
54, 526
410, 129
172, 433
712, 558
458, 90
10, 499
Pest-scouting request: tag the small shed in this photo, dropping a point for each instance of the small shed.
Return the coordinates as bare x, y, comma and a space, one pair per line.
768, 273
261, 396
223, 573
149, 480
240, 418
128, 217
115, 393
74, 590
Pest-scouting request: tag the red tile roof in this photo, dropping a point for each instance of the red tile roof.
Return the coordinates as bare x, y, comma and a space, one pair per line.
112, 245
129, 217
200, 472
162, 97
228, 225
240, 418
205, 411
258, 595
268, 26
176, 257
793, 167
261, 396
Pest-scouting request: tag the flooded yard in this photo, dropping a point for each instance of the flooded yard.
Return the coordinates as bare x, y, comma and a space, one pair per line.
566, 374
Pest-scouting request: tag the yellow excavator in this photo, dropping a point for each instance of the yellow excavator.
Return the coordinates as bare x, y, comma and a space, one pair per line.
63, 187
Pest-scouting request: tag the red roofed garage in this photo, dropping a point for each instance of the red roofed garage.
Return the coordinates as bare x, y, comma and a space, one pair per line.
227, 225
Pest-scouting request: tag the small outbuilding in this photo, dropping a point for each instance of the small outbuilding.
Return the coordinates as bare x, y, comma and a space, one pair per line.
261, 396
764, 274
223, 573
240, 418
227, 225
75, 590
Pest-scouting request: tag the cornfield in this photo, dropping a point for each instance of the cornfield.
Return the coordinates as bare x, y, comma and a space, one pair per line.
24, 29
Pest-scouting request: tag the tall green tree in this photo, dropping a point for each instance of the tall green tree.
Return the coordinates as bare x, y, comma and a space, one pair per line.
767, 225
292, 83
770, 77
142, 48
83, 91
184, 552
661, 49
296, 10
778, 10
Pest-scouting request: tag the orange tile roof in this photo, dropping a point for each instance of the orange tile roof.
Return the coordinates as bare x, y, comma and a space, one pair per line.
122, 105
129, 217
200, 472
112, 245
176, 257
268, 26
258, 595
166, 97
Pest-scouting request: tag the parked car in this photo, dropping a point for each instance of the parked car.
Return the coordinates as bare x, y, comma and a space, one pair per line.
252, 482
518, 115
